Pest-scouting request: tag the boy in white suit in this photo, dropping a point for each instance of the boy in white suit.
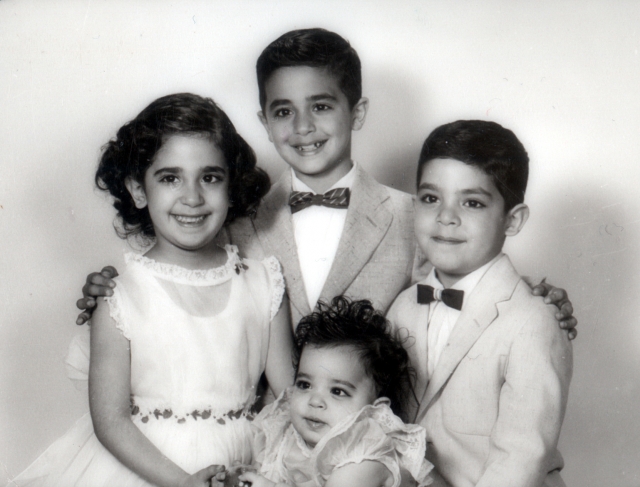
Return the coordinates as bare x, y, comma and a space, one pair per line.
493, 368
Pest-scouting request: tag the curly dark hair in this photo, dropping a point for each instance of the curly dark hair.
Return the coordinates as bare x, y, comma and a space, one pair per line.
490, 147
137, 142
359, 325
317, 48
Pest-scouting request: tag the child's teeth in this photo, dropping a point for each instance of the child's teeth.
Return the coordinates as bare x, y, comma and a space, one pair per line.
304, 148
189, 219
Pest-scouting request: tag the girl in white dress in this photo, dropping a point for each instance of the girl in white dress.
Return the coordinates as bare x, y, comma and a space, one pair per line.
336, 426
178, 350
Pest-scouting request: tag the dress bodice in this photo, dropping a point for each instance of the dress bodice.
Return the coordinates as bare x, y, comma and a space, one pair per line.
187, 357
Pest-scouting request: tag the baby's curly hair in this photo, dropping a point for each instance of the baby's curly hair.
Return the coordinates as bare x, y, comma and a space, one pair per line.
137, 142
357, 324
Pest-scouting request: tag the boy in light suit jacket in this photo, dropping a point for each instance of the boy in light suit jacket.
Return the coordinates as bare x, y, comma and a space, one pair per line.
334, 229
493, 368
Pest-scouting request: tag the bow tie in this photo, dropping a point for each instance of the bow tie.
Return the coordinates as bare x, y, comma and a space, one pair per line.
335, 198
451, 297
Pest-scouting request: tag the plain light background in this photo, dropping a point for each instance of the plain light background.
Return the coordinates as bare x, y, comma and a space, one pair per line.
564, 75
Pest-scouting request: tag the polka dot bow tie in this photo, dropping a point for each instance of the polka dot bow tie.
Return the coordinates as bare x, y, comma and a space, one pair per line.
335, 198
451, 297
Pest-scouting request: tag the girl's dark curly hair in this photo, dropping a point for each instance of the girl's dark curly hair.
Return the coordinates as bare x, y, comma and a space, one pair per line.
133, 150
357, 324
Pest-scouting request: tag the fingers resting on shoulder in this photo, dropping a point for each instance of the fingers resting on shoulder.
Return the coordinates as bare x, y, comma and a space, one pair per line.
97, 284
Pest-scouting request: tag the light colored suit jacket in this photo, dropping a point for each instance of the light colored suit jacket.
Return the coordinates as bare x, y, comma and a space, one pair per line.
495, 404
375, 256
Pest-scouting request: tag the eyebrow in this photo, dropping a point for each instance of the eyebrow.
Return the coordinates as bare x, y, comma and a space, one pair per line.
345, 383
278, 102
283, 101
468, 191
178, 170
322, 96
478, 191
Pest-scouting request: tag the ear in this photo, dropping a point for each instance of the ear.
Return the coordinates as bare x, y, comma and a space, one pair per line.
136, 190
516, 218
265, 124
359, 113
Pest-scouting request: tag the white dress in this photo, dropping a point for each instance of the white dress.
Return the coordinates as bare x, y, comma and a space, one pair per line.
373, 433
194, 370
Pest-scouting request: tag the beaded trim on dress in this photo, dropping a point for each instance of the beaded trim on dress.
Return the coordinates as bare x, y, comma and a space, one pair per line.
194, 277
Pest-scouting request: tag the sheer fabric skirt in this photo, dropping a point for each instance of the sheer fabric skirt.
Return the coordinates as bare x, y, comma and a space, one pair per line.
78, 459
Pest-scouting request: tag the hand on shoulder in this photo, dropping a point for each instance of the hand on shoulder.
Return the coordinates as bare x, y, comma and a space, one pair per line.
98, 284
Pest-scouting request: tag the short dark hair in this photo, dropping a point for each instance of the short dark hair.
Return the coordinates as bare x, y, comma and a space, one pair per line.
137, 142
486, 145
317, 48
357, 324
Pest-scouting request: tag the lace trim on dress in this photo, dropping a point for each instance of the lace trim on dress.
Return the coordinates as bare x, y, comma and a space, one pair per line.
194, 277
277, 283
115, 312
409, 439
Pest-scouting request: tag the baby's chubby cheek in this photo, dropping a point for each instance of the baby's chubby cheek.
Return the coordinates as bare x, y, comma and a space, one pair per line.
341, 411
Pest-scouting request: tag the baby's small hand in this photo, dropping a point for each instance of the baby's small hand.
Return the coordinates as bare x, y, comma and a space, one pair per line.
209, 476
255, 480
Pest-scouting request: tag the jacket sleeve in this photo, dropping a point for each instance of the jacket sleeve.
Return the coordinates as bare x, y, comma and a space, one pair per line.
532, 404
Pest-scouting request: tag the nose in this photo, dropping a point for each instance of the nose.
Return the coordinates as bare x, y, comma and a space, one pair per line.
303, 123
192, 194
448, 215
317, 401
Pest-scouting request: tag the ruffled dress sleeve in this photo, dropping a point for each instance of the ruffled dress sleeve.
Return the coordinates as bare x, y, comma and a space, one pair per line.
116, 304
270, 432
78, 354
374, 434
77, 360
276, 281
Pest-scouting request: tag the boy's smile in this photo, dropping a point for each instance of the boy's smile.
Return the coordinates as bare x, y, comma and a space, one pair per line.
308, 119
461, 223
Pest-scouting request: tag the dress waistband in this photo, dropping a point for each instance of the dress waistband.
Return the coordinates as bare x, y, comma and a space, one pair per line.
206, 414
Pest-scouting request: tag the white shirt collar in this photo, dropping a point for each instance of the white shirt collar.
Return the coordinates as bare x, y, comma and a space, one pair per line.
345, 181
467, 283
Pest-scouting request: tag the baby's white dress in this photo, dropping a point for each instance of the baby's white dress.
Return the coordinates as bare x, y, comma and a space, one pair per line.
373, 433
194, 371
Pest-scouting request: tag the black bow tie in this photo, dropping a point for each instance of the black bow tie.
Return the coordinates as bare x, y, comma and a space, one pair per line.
335, 198
451, 297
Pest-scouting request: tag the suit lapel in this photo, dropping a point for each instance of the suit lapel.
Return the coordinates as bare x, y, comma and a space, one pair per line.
367, 221
274, 228
496, 286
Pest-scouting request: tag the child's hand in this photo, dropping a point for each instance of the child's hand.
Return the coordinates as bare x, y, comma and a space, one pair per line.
98, 284
211, 476
559, 297
255, 480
